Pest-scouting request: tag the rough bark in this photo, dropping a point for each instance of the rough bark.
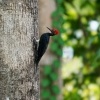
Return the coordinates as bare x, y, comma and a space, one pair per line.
18, 26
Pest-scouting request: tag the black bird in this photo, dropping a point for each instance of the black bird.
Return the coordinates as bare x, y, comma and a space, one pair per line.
43, 43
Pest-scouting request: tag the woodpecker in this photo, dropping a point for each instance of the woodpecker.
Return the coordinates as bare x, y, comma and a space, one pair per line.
43, 43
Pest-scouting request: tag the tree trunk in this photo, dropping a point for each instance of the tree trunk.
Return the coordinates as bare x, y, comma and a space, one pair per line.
18, 27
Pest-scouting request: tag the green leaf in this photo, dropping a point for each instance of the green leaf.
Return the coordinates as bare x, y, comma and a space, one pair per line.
45, 94
56, 63
54, 14
45, 82
59, 52
55, 38
53, 76
55, 89
53, 98
47, 70
59, 1
54, 24
61, 42
54, 46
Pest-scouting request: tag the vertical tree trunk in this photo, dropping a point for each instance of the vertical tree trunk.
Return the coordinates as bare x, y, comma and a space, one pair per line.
18, 26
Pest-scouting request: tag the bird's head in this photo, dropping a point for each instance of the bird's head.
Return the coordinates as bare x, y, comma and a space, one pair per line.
53, 31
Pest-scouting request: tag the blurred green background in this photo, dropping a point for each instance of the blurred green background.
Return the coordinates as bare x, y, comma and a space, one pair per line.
77, 51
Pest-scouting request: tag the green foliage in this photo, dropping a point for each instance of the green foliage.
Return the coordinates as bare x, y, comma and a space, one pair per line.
55, 89
71, 17
45, 94
45, 83
59, 1
52, 98
56, 64
54, 47
53, 76
47, 70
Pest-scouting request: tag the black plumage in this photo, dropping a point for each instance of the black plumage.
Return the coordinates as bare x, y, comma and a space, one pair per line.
43, 44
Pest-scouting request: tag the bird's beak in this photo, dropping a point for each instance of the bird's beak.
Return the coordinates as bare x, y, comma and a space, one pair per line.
49, 29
